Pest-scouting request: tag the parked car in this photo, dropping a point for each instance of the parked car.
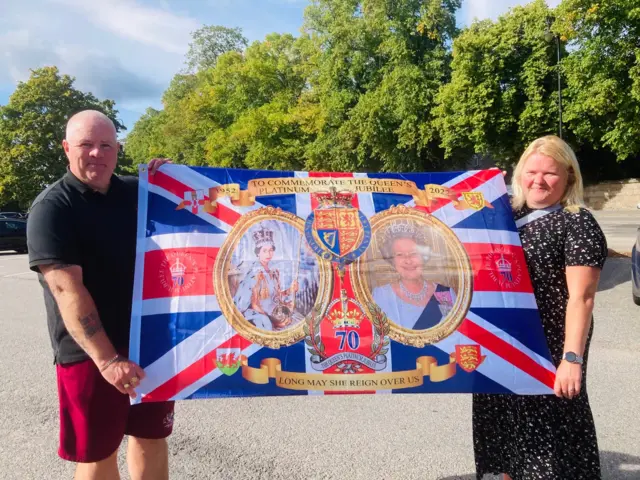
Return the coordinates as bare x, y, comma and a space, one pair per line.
13, 234
13, 215
635, 269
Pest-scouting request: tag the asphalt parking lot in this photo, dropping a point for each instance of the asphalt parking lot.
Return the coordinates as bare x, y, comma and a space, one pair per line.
346, 437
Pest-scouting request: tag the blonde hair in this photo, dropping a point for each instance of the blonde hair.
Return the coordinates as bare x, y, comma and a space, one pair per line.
556, 148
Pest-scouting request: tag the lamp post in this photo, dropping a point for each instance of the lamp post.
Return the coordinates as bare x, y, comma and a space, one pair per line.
549, 37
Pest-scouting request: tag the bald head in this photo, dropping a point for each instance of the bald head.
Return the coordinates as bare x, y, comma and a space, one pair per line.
91, 145
87, 119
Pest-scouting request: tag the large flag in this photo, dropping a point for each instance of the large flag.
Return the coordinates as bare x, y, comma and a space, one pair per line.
258, 283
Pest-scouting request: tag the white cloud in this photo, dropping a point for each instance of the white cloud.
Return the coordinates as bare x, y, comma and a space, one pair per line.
492, 9
95, 72
152, 26
131, 58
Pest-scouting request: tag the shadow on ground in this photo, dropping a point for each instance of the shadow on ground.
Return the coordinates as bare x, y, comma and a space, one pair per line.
615, 466
615, 272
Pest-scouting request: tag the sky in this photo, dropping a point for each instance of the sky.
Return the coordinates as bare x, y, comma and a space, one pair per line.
128, 50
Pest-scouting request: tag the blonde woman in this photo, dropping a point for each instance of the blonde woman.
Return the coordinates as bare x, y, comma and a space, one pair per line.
550, 437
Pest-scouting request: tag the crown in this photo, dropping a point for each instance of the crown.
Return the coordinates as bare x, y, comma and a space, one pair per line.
353, 318
263, 237
178, 268
503, 264
333, 198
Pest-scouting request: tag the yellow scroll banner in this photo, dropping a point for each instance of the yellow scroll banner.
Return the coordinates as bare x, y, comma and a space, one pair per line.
281, 186
425, 367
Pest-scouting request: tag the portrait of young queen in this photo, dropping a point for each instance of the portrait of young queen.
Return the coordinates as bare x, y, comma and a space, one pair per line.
260, 296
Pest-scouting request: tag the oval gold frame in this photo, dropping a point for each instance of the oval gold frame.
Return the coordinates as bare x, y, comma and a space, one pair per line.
407, 336
221, 283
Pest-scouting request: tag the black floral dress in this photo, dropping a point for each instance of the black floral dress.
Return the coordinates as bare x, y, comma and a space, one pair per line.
542, 436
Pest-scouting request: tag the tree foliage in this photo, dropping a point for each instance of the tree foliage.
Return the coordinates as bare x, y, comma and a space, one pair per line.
376, 85
210, 42
368, 85
32, 127
378, 67
603, 73
502, 93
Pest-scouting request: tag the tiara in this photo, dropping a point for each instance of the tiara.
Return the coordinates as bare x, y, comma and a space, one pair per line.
402, 227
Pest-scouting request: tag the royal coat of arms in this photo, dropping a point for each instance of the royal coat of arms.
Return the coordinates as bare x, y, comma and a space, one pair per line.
336, 230
469, 357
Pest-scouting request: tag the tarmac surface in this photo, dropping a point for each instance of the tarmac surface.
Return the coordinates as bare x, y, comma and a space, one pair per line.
620, 227
333, 437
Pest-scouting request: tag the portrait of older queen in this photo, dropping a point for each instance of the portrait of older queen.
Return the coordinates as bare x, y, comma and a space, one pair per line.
259, 295
411, 299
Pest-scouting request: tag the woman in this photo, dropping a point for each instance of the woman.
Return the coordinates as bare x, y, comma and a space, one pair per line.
410, 301
260, 298
550, 437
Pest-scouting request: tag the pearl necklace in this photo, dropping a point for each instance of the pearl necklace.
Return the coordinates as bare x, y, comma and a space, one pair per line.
416, 297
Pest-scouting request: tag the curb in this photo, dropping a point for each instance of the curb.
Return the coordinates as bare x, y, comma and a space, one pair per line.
618, 254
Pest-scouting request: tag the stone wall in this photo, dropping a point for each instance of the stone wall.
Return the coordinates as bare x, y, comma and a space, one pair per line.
620, 194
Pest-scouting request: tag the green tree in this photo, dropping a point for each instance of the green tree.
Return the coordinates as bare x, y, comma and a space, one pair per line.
251, 104
210, 42
242, 112
379, 66
603, 73
32, 127
502, 92
180, 129
146, 139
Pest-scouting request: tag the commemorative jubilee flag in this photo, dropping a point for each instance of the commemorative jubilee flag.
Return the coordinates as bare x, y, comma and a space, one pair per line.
262, 283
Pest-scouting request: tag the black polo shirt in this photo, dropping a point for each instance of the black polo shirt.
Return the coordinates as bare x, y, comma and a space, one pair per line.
71, 223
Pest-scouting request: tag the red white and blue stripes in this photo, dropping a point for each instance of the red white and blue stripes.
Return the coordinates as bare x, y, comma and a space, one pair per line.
176, 335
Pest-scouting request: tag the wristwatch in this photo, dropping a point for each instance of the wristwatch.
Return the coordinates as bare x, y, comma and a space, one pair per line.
572, 357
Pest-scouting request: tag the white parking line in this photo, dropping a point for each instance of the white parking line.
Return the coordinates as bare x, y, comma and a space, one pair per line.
16, 274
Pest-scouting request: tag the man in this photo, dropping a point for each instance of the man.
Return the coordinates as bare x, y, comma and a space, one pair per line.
81, 236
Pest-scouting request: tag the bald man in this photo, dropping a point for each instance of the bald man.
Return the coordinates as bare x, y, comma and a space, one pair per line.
81, 236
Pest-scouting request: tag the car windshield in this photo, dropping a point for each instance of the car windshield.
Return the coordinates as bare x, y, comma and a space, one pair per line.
14, 226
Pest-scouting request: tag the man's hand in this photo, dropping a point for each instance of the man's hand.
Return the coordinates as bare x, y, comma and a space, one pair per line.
156, 163
124, 375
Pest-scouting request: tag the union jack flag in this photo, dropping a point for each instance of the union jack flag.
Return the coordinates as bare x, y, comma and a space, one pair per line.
190, 350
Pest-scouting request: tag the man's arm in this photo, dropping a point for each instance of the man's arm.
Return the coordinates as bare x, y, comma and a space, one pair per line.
78, 311
82, 321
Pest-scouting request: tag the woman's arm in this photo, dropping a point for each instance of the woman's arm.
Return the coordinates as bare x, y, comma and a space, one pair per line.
582, 283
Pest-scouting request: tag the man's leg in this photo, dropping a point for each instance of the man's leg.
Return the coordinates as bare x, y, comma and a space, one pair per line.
106, 469
93, 418
148, 458
148, 426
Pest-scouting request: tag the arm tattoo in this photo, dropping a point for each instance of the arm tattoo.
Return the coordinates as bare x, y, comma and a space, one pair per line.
91, 325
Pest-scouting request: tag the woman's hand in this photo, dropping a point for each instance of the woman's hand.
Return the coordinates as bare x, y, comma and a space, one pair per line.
568, 380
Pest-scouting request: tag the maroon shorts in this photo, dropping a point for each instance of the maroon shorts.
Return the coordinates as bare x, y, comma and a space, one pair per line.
95, 416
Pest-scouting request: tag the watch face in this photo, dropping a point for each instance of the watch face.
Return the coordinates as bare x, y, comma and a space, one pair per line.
570, 356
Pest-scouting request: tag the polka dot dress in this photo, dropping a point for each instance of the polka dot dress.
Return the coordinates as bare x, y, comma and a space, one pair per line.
544, 437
